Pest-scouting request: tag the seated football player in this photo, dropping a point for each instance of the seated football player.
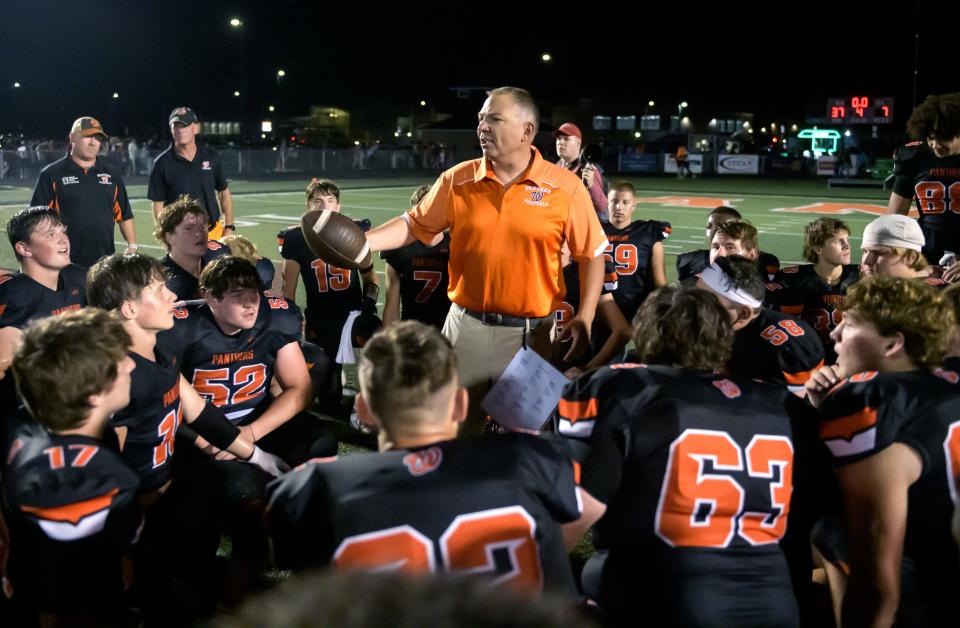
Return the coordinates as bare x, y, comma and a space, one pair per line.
230, 347
611, 330
242, 247
815, 291
160, 399
417, 278
892, 428
689, 264
892, 246
635, 247
69, 501
182, 228
689, 544
768, 345
332, 293
489, 507
926, 170
47, 284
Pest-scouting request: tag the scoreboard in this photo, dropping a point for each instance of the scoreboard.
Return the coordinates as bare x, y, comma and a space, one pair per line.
860, 110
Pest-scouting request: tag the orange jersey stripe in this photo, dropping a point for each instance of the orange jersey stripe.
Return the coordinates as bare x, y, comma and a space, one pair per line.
117, 212
849, 426
74, 512
575, 411
792, 310
576, 472
799, 378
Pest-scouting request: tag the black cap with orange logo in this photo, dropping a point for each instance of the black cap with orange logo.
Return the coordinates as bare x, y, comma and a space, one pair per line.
88, 127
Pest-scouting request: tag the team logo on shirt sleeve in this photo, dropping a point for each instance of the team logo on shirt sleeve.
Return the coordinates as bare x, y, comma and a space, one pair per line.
852, 434
577, 418
73, 521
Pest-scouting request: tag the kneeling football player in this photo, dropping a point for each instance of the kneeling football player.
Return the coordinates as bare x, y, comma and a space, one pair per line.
892, 428
694, 473
69, 501
229, 348
490, 507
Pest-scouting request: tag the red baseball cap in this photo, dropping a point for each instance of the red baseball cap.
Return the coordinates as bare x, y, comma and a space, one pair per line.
568, 128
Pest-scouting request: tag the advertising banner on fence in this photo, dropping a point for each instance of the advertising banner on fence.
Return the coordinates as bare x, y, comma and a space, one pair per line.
638, 163
738, 164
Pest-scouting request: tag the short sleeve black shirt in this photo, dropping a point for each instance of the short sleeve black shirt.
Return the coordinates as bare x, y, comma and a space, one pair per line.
90, 201
199, 179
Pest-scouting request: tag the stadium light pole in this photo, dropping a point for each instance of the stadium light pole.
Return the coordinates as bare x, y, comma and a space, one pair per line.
683, 105
280, 74
237, 24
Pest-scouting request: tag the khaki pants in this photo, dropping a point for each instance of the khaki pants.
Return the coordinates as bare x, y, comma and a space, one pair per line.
483, 353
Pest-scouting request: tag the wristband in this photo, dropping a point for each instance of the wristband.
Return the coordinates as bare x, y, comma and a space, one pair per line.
234, 227
213, 425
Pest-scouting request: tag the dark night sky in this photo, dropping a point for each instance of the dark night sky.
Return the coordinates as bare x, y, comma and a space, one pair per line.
71, 56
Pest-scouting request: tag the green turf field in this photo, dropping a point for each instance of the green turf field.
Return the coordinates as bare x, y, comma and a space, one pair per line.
262, 208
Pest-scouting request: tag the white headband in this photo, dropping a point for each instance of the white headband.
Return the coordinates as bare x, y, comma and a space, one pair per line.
718, 281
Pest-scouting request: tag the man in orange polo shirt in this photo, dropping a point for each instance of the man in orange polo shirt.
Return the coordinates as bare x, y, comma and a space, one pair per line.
508, 214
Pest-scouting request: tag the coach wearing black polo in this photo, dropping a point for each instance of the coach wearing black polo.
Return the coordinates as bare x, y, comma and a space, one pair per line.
89, 196
186, 168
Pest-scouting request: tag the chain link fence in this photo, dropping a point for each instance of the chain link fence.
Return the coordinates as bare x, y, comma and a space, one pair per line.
25, 164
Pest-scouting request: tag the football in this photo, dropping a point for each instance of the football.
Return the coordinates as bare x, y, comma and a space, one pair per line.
336, 239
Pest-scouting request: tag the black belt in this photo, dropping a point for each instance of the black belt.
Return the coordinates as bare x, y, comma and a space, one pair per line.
501, 320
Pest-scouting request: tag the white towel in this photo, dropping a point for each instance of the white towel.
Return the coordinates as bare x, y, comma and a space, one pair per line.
345, 353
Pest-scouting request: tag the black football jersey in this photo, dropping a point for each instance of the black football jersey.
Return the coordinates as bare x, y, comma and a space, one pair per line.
180, 281
23, 300
232, 372
71, 510
697, 473
151, 419
630, 249
868, 412
775, 347
800, 291
489, 507
424, 276
332, 292
919, 174
692, 263
570, 305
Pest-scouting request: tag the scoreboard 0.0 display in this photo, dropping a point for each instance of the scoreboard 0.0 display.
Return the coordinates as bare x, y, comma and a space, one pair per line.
860, 110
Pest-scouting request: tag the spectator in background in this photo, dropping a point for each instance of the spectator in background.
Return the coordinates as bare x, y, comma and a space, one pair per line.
683, 165
569, 150
133, 153
146, 164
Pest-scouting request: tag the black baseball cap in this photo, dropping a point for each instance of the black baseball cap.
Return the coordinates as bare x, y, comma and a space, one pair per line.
88, 127
183, 115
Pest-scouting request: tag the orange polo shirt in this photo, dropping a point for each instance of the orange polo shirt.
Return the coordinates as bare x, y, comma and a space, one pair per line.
505, 244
